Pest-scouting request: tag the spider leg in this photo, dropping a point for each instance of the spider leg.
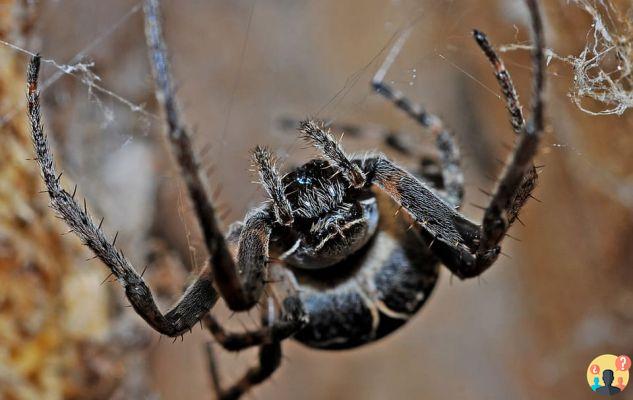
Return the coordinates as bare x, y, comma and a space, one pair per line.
292, 320
464, 247
180, 141
512, 191
519, 177
240, 287
451, 236
517, 120
271, 181
252, 259
452, 175
197, 299
240, 291
424, 165
313, 132
390, 138
269, 360
505, 82
516, 182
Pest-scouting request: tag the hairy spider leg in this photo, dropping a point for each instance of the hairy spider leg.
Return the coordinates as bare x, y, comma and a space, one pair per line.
505, 82
426, 166
268, 362
197, 299
464, 247
201, 295
292, 319
271, 181
530, 179
333, 151
240, 286
519, 177
514, 187
452, 175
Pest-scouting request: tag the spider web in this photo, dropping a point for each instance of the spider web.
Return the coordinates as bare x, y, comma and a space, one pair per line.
603, 70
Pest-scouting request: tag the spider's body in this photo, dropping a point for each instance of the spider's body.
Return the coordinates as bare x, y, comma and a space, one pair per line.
345, 266
372, 291
360, 267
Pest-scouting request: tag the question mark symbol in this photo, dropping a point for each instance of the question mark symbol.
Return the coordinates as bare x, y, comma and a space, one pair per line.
595, 369
623, 363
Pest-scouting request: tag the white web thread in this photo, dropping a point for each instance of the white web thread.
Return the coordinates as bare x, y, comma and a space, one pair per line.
81, 71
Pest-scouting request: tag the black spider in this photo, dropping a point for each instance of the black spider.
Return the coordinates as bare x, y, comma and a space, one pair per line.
351, 268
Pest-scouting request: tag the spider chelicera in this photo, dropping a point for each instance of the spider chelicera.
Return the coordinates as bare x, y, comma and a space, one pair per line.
351, 268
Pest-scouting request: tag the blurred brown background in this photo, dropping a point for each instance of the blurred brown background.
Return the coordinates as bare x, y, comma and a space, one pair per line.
526, 329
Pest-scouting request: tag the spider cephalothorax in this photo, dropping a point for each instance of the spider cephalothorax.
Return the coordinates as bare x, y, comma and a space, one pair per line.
329, 216
344, 265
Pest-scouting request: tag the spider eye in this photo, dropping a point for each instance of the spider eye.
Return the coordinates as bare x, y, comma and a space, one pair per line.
304, 180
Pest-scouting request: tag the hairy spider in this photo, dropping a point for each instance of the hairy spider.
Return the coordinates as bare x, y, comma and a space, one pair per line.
351, 268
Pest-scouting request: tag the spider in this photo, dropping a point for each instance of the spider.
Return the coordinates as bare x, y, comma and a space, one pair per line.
351, 269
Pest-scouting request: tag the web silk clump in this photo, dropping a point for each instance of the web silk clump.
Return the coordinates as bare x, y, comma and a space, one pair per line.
603, 71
